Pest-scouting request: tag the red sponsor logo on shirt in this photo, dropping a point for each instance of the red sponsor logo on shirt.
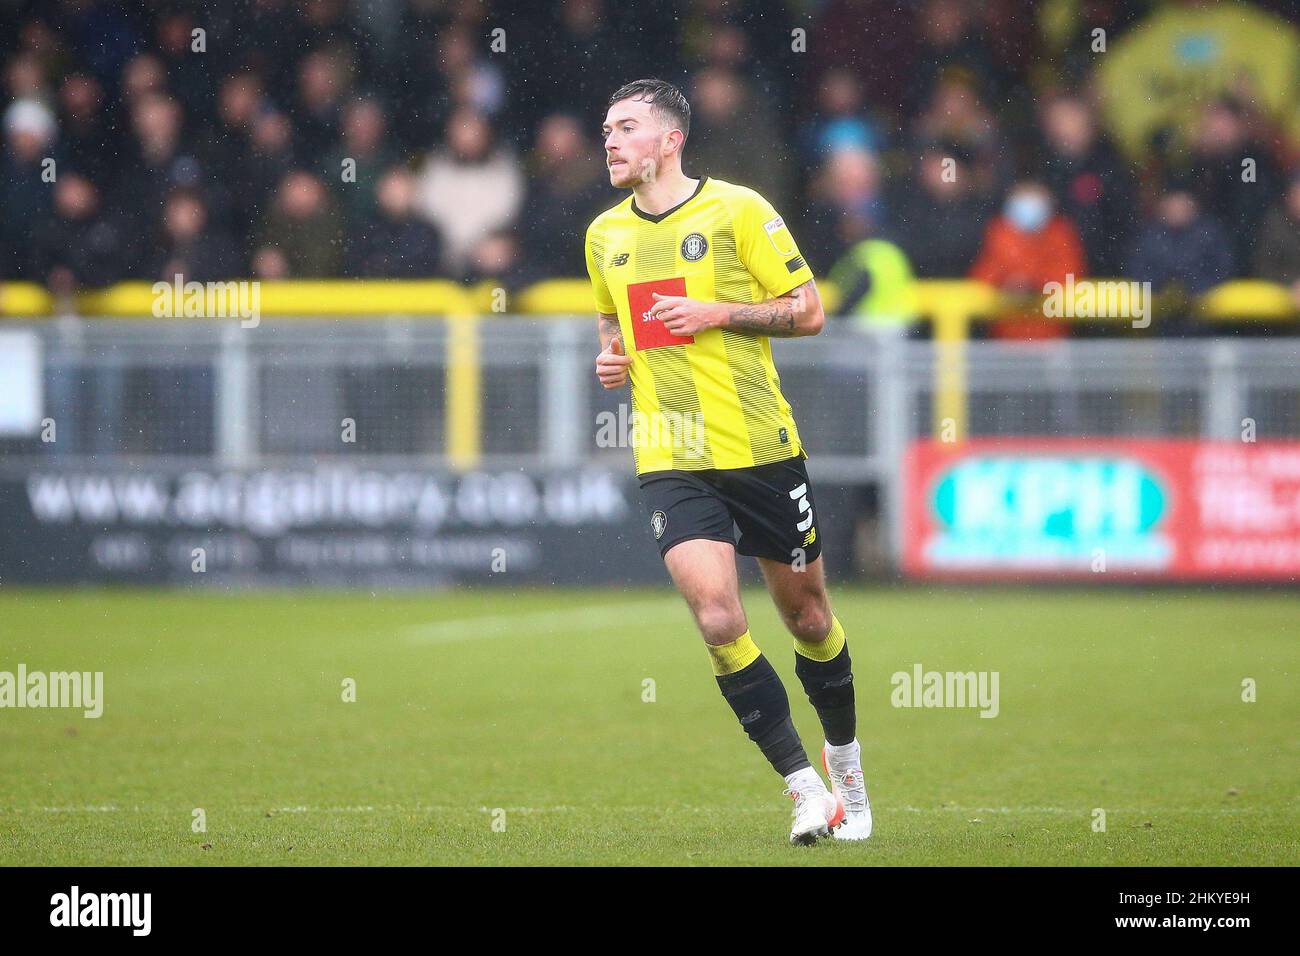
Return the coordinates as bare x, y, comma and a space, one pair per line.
647, 331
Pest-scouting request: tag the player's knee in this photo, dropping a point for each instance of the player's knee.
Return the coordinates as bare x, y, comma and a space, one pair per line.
720, 622
810, 620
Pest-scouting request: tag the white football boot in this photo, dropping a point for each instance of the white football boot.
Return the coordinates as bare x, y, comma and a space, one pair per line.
817, 811
844, 767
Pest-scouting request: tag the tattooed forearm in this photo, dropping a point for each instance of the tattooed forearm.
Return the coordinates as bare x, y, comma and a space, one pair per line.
609, 329
799, 313
774, 317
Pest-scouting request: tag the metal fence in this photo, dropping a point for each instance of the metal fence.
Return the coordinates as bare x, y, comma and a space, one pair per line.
284, 392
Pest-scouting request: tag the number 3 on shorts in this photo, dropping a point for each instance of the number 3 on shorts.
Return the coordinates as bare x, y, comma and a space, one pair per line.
801, 494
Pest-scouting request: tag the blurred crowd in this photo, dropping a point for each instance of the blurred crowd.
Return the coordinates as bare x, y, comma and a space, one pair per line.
1010, 140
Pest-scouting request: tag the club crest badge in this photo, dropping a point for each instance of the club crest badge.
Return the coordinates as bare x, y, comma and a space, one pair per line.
694, 247
658, 522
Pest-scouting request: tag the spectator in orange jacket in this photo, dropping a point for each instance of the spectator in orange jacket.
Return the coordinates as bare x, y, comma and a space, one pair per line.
1026, 247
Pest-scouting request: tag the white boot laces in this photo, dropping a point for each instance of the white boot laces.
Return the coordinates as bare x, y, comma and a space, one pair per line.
853, 790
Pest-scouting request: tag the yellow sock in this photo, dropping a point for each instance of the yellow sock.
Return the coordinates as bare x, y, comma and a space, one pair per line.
732, 657
828, 649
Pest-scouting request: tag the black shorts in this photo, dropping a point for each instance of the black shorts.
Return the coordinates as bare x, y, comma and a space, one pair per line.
771, 504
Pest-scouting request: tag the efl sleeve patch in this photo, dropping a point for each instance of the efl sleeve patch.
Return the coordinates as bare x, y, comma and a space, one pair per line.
780, 237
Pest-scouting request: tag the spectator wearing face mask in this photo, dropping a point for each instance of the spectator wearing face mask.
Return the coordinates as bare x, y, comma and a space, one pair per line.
1029, 245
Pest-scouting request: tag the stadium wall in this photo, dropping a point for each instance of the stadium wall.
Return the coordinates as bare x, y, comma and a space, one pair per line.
478, 435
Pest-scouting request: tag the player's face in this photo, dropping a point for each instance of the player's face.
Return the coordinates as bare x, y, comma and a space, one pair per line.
633, 143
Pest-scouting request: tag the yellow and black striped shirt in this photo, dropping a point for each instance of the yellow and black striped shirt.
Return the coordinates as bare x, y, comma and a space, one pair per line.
712, 400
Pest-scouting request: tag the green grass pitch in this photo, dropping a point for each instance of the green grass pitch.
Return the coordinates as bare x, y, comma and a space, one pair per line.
525, 709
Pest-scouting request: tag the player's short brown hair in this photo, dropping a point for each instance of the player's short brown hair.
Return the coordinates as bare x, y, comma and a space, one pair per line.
665, 99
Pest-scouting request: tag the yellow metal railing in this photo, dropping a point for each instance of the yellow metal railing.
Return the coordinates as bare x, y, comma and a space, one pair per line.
464, 411
951, 306
300, 298
459, 306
